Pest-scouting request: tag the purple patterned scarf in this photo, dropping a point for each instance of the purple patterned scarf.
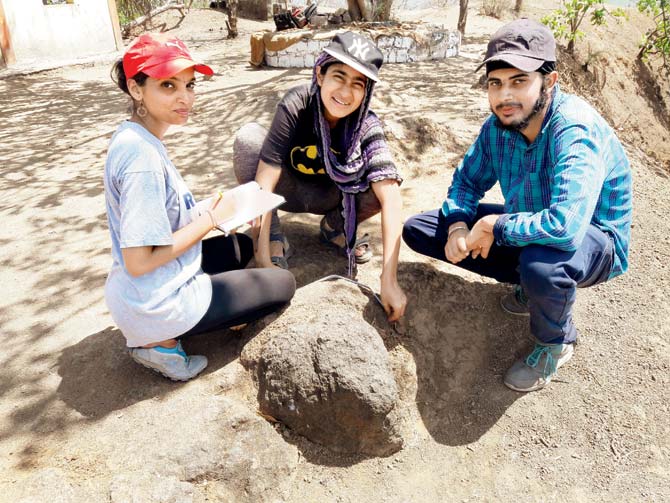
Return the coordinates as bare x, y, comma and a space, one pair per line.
349, 177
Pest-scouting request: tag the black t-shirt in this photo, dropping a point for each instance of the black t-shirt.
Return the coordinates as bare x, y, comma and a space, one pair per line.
292, 139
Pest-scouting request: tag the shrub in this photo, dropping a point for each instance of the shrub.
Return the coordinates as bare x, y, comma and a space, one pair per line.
565, 21
656, 41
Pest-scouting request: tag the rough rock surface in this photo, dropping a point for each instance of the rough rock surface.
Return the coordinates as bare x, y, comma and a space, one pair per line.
50, 484
328, 377
219, 445
141, 487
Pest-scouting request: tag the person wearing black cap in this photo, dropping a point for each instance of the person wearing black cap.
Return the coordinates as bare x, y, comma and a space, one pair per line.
326, 154
566, 181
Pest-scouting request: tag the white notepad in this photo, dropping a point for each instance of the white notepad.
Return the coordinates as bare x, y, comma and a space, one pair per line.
249, 201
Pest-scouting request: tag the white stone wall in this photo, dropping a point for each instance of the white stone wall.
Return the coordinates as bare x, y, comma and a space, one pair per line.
65, 31
331, 5
396, 49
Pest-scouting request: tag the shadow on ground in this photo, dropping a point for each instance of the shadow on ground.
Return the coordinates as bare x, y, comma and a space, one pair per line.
99, 377
462, 343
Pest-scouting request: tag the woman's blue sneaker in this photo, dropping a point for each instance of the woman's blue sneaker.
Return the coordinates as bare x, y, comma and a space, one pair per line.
173, 363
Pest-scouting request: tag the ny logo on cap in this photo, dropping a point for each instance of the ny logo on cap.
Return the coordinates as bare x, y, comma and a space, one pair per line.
359, 48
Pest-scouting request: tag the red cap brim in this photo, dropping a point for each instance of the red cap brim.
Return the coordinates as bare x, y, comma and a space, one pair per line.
171, 68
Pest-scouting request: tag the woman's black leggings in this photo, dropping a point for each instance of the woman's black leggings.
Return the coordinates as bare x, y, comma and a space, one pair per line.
239, 295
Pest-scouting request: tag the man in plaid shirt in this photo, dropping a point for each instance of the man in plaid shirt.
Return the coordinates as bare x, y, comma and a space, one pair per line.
566, 182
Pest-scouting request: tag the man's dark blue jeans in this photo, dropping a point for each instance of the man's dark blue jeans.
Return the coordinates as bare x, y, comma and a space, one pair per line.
549, 277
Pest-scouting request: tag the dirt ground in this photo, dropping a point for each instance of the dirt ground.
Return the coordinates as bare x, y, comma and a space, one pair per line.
70, 394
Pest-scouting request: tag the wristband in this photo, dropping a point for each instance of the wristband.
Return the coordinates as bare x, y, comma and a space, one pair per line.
460, 227
211, 216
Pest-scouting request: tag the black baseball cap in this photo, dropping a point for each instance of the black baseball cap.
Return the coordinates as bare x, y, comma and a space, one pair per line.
525, 44
358, 52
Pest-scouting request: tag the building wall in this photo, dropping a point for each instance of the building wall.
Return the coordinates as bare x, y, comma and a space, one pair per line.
64, 31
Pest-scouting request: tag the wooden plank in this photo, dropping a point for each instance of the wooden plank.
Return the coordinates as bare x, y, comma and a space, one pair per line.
116, 26
6, 50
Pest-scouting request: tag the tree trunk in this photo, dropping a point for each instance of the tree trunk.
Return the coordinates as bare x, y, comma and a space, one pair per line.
382, 10
354, 10
232, 19
462, 16
518, 6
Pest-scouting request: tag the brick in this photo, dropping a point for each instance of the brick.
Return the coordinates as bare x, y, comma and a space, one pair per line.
310, 59
401, 56
384, 42
283, 60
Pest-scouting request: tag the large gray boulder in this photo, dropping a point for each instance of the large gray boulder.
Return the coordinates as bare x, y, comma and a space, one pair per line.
325, 372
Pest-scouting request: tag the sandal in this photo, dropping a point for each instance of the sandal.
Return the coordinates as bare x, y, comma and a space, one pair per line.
281, 260
362, 245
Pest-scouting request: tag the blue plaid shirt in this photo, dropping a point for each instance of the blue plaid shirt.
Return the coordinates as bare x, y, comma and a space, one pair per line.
574, 174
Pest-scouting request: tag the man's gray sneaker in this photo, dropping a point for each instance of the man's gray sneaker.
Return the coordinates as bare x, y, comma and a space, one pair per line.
515, 302
173, 363
537, 369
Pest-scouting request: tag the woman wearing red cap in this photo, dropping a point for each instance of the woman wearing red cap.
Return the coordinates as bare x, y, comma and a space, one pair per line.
326, 154
166, 282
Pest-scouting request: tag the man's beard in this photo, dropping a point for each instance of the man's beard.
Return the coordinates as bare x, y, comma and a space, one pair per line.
522, 124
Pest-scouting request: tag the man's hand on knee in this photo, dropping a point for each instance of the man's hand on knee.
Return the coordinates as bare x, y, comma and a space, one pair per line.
480, 239
456, 248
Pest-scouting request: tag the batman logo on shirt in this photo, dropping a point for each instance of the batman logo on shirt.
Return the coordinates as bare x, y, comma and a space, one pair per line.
304, 159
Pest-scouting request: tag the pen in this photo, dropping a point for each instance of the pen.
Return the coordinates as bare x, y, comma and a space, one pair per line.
220, 195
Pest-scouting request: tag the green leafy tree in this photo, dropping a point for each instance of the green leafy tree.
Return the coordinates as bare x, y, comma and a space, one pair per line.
565, 21
656, 41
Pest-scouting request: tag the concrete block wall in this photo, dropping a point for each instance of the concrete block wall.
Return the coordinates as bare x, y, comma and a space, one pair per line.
441, 43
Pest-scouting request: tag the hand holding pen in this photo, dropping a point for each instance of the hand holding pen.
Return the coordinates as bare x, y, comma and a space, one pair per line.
222, 208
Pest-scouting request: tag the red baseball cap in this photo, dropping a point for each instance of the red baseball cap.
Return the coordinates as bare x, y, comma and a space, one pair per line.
159, 56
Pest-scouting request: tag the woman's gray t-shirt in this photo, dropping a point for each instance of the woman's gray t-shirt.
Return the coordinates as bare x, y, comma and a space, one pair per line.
147, 201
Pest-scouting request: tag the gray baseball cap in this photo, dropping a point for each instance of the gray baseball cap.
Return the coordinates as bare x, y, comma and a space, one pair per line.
358, 52
523, 43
